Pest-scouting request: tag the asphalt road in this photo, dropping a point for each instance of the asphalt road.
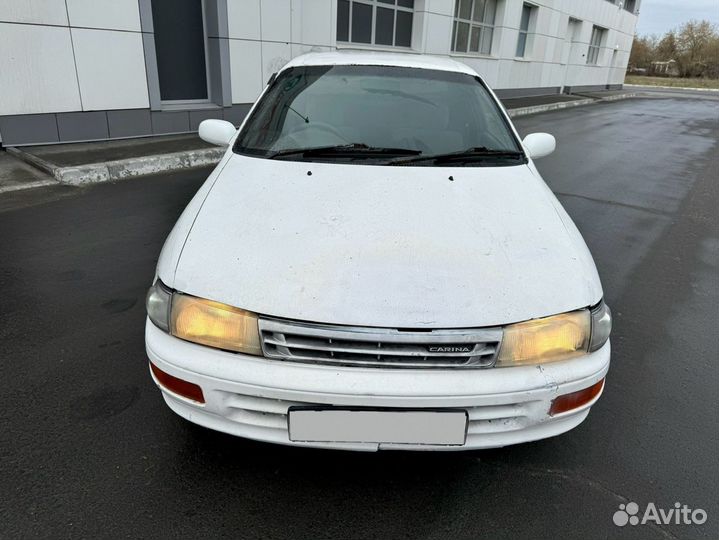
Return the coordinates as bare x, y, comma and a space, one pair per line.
88, 448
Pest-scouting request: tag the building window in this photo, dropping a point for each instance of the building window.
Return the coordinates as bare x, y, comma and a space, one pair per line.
630, 5
595, 45
473, 26
375, 22
523, 37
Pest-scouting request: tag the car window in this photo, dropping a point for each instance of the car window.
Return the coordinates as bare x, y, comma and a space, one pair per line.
431, 112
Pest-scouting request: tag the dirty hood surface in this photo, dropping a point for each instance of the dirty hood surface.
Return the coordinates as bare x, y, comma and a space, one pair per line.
386, 246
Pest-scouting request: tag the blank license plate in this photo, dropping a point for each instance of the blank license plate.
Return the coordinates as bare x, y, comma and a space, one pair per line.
372, 426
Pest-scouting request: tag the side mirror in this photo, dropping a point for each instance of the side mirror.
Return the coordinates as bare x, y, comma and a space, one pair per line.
218, 132
538, 145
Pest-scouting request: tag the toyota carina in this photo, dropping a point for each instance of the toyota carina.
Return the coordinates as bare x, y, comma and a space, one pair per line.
376, 263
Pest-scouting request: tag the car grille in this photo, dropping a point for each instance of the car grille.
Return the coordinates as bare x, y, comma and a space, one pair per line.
378, 347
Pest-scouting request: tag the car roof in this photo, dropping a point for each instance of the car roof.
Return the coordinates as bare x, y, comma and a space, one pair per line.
372, 58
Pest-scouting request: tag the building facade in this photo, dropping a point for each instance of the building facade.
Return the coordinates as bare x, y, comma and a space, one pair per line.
79, 70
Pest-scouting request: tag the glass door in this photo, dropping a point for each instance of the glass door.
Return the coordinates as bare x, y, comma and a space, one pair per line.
181, 48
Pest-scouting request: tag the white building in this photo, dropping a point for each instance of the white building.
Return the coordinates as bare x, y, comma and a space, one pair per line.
78, 70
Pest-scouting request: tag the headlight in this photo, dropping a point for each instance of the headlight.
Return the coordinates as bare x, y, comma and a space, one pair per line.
545, 340
203, 321
601, 326
555, 338
214, 324
158, 305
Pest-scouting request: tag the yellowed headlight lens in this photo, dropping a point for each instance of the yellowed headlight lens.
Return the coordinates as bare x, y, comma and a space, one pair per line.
214, 324
546, 340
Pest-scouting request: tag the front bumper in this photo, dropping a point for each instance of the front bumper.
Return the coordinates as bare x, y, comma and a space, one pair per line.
249, 396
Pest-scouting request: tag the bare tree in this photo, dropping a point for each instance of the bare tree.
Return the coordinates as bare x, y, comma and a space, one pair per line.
642, 53
694, 37
694, 46
667, 48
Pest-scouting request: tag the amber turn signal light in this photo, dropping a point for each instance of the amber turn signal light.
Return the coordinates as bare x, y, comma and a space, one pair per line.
178, 386
567, 402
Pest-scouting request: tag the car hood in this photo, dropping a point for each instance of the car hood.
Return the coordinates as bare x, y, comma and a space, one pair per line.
405, 247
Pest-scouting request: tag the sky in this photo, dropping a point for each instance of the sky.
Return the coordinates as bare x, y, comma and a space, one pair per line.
660, 16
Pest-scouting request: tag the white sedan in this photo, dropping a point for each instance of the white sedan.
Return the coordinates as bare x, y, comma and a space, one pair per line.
376, 263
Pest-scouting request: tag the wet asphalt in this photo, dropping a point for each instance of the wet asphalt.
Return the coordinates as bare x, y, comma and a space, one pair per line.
88, 448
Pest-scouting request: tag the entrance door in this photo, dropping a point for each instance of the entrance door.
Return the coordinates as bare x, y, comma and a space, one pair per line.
570, 52
613, 68
181, 46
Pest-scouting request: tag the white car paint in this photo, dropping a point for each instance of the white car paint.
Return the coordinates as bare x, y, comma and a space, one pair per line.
400, 247
367, 58
380, 246
217, 132
249, 396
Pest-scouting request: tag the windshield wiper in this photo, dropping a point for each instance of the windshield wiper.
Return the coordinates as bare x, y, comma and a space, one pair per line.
480, 153
342, 150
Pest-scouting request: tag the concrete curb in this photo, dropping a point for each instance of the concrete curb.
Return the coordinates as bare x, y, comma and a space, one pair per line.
650, 87
124, 168
140, 166
535, 109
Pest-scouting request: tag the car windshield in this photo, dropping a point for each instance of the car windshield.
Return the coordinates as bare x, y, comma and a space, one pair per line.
377, 114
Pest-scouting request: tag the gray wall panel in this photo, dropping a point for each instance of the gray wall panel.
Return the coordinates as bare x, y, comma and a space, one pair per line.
129, 123
82, 126
216, 18
153, 78
225, 70
28, 129
526, 92
146, 15
218, 53
585, 88
214, 63
198, 116
236, 114
170, 122
18, 130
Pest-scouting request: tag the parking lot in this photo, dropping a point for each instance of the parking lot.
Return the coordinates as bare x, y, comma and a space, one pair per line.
90, 450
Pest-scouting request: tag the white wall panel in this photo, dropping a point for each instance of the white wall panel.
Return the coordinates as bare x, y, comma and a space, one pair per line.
419, 32
274, 56
504, 74
264, 35
110, 69
486, 67
112, 14
276, 20
307, 23
313, 22
245, 70
539, 48
244, 18
441, 7
439, 34
297, 49
37, 72
34, 11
